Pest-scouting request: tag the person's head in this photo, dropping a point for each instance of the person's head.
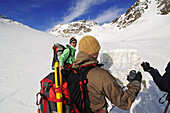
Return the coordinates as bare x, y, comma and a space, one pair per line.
89, 45
73, 41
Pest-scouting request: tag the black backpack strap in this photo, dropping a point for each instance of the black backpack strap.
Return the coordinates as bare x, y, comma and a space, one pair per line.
84, 72
86, 69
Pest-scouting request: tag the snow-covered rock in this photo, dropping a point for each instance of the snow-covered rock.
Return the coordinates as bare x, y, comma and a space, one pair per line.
136, 11
74, 28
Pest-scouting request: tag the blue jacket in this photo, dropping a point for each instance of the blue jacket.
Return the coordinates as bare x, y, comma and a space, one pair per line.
163, 82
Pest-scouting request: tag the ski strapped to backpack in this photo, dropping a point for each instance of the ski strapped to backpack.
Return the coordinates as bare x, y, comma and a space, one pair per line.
73, 89
58, 49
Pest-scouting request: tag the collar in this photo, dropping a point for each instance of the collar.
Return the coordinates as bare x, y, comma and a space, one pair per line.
83, 58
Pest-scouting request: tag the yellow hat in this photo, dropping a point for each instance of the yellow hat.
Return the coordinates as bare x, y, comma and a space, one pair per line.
89, 45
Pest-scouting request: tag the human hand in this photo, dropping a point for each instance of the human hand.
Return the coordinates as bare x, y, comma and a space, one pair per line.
134, 76
138, 77
146, 66
61, 67
131, 75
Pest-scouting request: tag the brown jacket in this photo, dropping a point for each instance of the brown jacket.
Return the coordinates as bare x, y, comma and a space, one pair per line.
102, 84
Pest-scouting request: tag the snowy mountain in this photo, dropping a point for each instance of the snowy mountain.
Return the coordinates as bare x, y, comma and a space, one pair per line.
26, 57
136, 11
74, 28
132, 14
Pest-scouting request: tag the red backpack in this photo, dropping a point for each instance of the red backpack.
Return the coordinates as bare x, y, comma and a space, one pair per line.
74, 91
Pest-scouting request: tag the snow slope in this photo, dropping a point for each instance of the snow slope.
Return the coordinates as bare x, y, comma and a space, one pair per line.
26, 56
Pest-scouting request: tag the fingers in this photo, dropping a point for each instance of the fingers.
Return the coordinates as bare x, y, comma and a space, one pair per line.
142, 63
61, 67
139, 74
133, 75
145, 64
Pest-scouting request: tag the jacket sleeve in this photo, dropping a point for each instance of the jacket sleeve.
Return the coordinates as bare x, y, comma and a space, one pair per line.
64, 56
162, 81
118, 97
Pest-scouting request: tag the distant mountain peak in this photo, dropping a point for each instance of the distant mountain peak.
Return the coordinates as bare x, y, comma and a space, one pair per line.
136, 11
132, 14
141, 8
74, 28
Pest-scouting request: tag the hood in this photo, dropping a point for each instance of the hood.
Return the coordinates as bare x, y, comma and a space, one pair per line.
83, 58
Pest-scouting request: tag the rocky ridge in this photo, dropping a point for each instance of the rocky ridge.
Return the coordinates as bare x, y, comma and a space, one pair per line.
132, 14
74, 28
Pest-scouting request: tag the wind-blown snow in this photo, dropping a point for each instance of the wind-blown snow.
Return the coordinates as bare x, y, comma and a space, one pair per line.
26, 55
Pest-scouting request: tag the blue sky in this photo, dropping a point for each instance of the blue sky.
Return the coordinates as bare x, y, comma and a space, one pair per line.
45, 14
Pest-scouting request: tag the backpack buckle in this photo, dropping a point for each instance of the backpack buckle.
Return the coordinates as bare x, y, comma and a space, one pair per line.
85, 81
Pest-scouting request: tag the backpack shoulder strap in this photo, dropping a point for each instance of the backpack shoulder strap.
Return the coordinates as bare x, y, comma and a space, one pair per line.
84, 81
69, 52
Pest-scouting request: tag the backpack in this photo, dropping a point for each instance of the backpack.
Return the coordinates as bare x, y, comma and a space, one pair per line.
58, 49
74, 91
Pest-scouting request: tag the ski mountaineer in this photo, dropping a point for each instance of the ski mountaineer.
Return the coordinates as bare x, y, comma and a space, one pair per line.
66, 52
101, 83
163, 82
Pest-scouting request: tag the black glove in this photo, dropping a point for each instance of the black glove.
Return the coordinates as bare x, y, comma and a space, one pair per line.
138, 77
131, 75
146, 66
134, 76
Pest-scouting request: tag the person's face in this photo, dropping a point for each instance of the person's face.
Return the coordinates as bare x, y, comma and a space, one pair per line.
74, 43
95, 55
